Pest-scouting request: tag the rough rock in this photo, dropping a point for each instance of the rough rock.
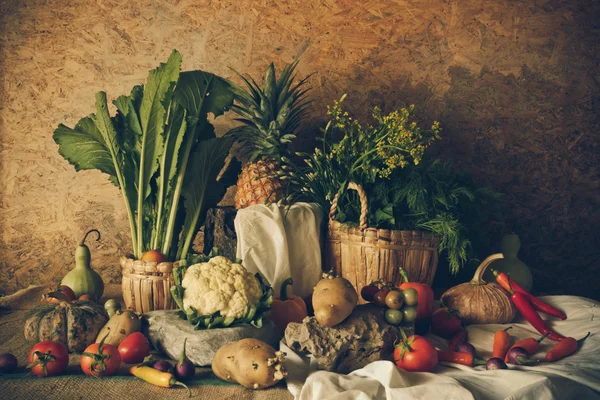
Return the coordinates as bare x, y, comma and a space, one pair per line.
362, 338
219, 231
166, 331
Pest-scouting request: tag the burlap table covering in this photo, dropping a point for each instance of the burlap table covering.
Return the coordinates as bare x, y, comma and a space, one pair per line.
73, 384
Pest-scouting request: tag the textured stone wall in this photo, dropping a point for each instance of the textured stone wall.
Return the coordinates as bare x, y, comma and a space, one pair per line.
514, 83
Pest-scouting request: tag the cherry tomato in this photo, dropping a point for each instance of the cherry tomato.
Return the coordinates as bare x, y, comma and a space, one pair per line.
393, 317
415, 354
48, 358
134, 348
67, 291
154, 256
100, 359
445, 323
368, 292
411, 296
85, 297
409, 313
394, 299
379, 298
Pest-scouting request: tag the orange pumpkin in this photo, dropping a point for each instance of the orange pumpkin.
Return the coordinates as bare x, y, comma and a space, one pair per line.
288, 308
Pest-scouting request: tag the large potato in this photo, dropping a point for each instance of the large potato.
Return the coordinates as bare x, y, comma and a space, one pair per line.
333, 300
249, 362
119, 326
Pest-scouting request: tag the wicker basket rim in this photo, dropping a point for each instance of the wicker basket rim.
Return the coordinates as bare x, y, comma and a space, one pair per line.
381, 234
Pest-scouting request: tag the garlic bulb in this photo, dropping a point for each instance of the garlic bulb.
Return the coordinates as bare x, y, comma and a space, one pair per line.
478, 302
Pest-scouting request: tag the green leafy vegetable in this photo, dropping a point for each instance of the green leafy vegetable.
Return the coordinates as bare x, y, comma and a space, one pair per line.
160, 150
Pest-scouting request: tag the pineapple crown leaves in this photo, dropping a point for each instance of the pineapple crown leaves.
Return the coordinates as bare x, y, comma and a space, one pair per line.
270, 114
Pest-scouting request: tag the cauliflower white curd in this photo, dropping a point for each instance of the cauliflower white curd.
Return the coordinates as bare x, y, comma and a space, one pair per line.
220, 285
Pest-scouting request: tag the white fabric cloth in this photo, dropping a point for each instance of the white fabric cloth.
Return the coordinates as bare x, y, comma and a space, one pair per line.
281, 243
574, 377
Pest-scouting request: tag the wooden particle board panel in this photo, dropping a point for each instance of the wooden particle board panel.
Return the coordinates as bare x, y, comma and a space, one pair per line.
514, 84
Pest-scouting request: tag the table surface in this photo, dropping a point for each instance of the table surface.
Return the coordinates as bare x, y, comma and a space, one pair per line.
73, 384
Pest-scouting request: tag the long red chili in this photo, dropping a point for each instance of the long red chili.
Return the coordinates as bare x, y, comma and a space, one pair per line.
564, 348
526, 309
507, 283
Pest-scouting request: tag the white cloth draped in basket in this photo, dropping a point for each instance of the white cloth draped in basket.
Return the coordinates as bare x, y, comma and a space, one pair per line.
281, 246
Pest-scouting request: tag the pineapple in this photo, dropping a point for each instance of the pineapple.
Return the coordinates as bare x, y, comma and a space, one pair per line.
270, 117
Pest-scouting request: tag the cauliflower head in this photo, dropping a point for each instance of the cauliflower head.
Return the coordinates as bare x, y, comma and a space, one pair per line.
220, 285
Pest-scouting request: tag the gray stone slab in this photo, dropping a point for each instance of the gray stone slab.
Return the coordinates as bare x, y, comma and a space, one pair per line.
166, 331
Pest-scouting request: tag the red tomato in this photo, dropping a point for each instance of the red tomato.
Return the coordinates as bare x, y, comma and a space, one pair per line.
368, 292
67, 291
134, 348
445, 323
100, 359
48, 358
154, 256
379, 298
419, 354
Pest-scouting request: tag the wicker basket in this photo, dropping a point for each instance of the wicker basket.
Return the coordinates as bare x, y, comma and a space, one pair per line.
147, 285
363, 255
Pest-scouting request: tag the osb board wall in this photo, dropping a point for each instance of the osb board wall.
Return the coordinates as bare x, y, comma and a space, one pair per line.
514, 83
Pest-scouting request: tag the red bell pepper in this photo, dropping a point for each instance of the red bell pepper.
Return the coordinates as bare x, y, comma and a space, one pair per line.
507, 283
425, 303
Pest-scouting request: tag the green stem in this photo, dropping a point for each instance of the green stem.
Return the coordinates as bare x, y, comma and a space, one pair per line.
102, 113
175, 201
283, 290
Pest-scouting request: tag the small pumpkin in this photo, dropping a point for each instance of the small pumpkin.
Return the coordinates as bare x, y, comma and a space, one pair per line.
479, 302
83, 279
75, 324
287, 308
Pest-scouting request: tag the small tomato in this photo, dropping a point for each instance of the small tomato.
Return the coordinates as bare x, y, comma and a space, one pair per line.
415, 354
379, 298
445, 323
67, 291
85, 297
134, 348
394, 299
368, 292
48, 358
100, 359
154, 256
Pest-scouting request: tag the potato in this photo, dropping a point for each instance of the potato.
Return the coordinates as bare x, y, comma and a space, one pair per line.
249, 362
119, 326
333, 300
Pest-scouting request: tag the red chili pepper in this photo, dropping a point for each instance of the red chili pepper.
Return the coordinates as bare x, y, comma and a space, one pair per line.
526, 309
564, 348
507, 283
459, 338
460, 358
530, 345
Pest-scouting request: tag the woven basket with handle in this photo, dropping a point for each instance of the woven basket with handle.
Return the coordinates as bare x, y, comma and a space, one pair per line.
147, 285
363, 255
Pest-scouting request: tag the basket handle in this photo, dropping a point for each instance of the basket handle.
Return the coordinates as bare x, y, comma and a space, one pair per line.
364, 205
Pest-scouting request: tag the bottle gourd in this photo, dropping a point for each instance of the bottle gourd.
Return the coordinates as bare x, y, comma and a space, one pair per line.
83, 279
511, 264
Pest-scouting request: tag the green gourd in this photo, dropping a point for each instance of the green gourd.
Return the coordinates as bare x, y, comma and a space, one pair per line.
83, 279
511, 264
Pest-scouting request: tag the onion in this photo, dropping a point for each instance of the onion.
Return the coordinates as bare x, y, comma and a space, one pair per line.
163, 366
495, 363
466, 348
184, 369
519, 356
478, 302
8, 363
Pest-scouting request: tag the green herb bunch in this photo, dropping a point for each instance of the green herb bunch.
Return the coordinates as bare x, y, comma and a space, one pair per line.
364, 154
405, 191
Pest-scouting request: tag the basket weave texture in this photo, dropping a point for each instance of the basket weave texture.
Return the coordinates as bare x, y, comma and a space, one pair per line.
147, 285
363, 255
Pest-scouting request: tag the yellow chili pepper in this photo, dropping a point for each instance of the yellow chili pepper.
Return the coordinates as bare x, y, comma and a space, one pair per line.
156, 377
